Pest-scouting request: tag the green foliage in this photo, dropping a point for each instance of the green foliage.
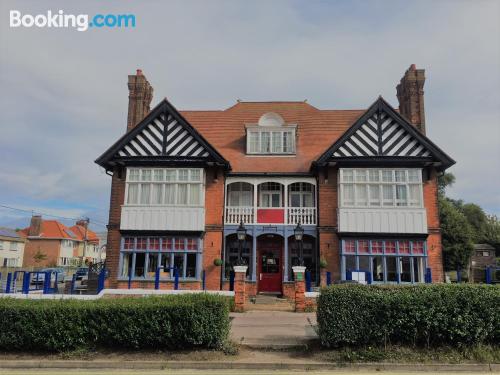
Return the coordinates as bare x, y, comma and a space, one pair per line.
323, 263
168, 322
457, 236
218, 262
445, 180
421, 315
39, 256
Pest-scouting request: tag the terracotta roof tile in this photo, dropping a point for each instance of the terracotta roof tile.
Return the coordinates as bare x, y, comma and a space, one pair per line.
317, 130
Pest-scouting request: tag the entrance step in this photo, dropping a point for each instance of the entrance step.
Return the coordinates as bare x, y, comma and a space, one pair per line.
267, 302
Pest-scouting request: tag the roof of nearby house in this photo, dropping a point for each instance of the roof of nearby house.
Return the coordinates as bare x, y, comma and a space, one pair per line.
483, 246
79, 230
55, 230
316, 129
10, 234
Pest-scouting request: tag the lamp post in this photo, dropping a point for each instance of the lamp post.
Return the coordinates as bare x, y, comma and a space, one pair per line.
299, 234
242, 235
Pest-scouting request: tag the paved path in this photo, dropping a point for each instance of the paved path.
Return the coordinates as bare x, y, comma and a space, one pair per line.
273, 329
212, 372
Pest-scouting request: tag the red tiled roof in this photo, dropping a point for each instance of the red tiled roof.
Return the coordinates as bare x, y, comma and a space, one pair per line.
79, 231
317, 130
52, 229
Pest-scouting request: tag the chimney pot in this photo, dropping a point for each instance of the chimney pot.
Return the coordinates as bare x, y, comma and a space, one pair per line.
139, 98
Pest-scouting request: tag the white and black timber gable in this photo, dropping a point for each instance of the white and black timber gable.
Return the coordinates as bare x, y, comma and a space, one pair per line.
163, 136
381, 135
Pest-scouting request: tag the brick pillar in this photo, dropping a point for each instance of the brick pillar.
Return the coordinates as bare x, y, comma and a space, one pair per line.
322, 281
300, 288
239, 287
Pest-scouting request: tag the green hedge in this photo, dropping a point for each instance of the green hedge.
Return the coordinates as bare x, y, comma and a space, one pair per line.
170, 322
424, 315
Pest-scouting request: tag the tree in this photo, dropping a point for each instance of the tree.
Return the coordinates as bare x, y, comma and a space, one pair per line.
39, 256
445, 180
478, 221
456, 236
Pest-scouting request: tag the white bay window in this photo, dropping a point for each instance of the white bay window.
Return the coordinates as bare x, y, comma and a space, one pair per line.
164, 186
381, 188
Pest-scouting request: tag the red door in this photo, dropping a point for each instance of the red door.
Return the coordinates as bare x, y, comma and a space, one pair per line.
269, 264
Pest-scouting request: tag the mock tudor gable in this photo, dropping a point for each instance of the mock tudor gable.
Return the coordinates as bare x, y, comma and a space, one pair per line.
163, 135
383, 134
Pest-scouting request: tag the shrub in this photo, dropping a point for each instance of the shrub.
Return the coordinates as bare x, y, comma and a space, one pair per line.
169, 322
429, 315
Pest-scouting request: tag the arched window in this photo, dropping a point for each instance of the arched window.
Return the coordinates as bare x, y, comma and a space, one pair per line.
239, 194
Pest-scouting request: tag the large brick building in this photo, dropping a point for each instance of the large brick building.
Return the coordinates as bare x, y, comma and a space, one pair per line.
361, 183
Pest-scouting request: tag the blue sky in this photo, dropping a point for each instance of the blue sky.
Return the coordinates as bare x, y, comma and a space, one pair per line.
64, 96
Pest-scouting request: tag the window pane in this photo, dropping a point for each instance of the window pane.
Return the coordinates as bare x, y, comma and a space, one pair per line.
246, 198
265, 142
179, 263
180, 243
133, 190
254, 141
145, 190
140, 260
347, 175
361, 195
191, 265
363, 247
142, 243
348, 190
350, 263
307, 200
387, 176
373, 175
378, 268
295, 200
288, 141
146, 175
126, 264
414, 175
391, 268
414, 195
374, 195
192, 244
183, 175
195, 175
418, 269
405, 267
377, 247
404, 247
152, 264
276, 200
277, 141
360, 175
181, 193
364, 263
157, 194
400, 176
401, 198
388, 195
128, 243
169, 193
165, 264
349, 246
166, 243
194, 194
418, 247
170, 175
134, 175
154, 243
158, 175
390, 247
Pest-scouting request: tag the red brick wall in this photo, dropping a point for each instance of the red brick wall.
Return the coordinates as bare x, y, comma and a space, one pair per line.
51, 248
114, 236
327, 225
434, 247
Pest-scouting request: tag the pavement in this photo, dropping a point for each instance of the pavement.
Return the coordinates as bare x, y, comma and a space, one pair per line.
273, 329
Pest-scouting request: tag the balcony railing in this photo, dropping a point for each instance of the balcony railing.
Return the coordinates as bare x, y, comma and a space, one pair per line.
275, 215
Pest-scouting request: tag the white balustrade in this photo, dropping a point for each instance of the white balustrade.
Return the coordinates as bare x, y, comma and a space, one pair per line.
302, 215
236, 215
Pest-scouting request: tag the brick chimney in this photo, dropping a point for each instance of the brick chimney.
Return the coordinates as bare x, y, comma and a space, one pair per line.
410, 92
35, 225
83, 223
139, 98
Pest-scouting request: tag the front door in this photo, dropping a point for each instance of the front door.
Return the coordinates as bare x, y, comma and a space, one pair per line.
270, 264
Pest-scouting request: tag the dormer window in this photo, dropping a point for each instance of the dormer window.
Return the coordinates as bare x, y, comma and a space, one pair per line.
270, 136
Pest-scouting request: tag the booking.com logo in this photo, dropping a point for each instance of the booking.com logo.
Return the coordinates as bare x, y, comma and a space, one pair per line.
78, 21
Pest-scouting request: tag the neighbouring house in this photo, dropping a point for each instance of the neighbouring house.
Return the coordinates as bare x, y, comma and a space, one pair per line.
51, 243
362, 184
11, 248
482, 258
103, 238
88, 246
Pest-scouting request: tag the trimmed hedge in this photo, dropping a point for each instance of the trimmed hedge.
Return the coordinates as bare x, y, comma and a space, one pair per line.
423, 315
168, 322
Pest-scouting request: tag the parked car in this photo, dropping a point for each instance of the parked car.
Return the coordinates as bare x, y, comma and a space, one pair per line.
81, 273
40, 278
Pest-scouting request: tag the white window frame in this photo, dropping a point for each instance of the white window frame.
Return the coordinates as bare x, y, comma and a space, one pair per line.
364, 182
13, 246
273, 133
195, 176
